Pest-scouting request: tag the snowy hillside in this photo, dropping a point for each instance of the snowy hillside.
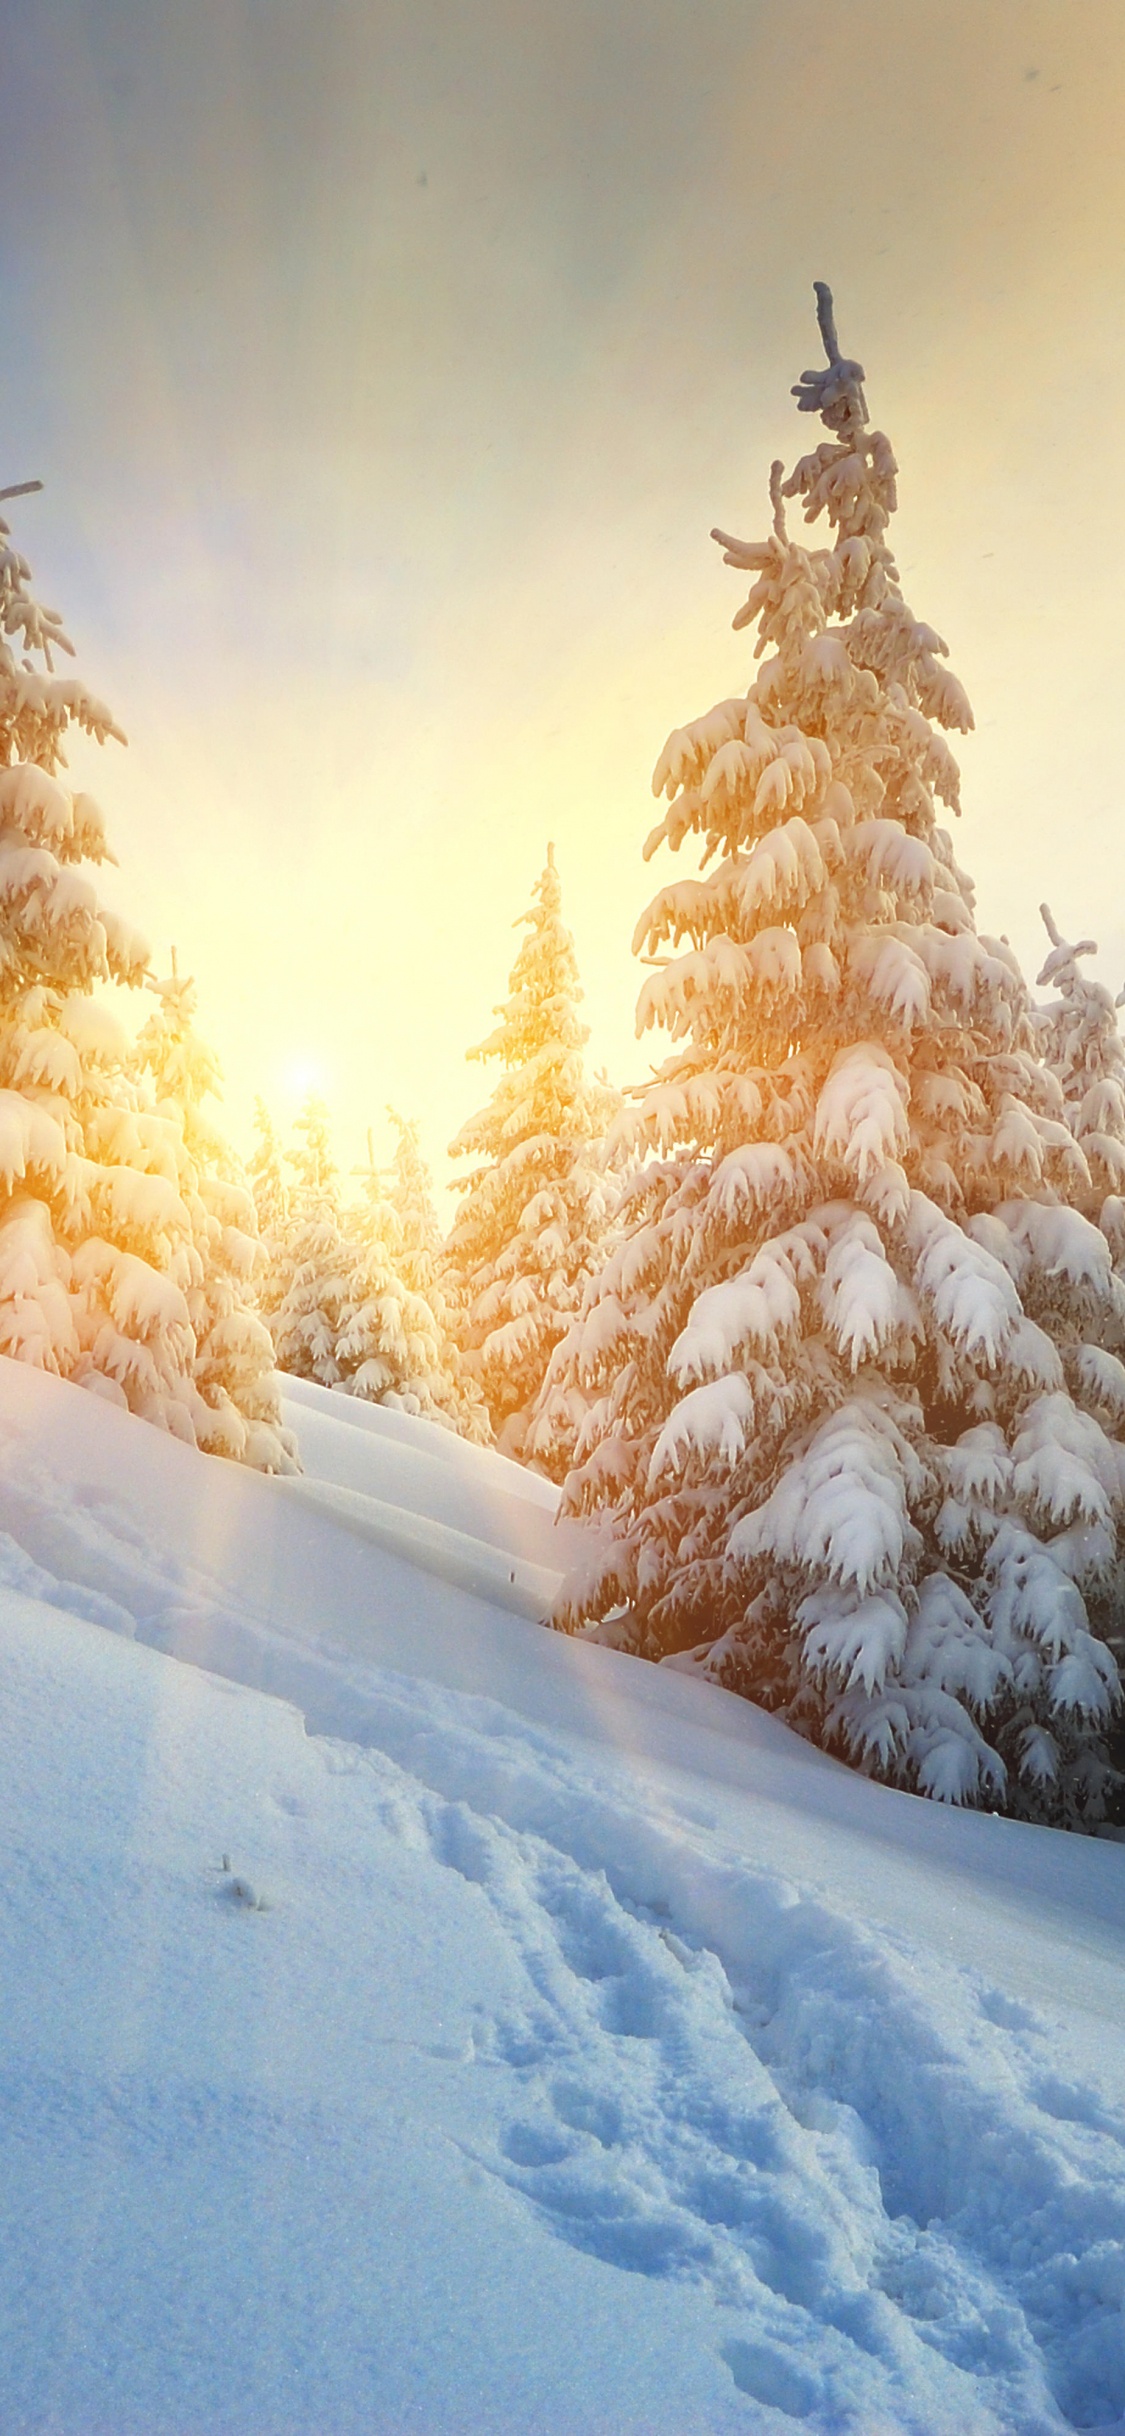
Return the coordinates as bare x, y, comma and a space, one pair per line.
485, 2034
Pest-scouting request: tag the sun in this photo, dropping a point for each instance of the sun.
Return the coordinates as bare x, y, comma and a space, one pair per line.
304, 1074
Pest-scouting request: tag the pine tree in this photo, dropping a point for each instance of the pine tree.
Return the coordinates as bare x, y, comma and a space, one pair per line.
388, 1348
272, 1193
410, 1189
424, 1267
309, 1321
533, 1215
96, 1251
1084, 1051
233, 1368
855, 1377
1083, 1048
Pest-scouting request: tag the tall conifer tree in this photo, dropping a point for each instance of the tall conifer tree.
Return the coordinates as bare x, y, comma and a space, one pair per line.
234, 1369
424, 1266
309, 1320
855, 1421
98, 1259
531, 1226
272, 1192
1083, 1048
388, 1347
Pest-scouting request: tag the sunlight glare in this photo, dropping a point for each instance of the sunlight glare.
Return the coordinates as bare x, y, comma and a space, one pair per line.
302, 1075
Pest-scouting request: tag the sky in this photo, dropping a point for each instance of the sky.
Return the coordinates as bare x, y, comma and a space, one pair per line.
386, 366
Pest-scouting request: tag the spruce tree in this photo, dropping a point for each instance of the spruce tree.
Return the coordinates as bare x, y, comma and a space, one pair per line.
410, 1189
855, 1395
1083, 1048
389, 1346
424, 1266
272, 1193
97, 1257
531, 1226
233, 1368
309, 1320
1084, 1051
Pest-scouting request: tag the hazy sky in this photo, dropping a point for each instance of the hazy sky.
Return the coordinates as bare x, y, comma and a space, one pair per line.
387, 364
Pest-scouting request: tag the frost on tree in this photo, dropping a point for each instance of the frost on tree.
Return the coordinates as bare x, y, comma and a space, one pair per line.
233, 1369
856, 1369
96, 1252
309, 1320
531, 1226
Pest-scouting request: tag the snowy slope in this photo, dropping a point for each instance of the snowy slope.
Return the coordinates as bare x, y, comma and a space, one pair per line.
453, 1509
602, 2061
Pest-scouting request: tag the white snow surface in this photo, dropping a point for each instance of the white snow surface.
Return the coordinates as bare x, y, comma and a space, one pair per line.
416, 2021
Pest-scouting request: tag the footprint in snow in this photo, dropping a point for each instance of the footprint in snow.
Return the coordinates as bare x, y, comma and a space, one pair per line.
804, 2145
772, 2376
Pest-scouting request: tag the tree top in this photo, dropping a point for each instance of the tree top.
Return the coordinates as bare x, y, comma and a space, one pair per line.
836, 392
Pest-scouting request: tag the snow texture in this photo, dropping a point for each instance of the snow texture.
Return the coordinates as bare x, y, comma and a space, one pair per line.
483, 2034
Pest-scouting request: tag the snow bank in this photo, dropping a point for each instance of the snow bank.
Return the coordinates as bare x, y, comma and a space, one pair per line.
602, 2057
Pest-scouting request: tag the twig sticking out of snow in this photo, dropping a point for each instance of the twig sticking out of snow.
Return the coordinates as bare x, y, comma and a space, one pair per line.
240, 1890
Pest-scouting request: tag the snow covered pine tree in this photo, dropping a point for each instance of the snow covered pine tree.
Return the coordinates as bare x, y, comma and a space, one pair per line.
532, 1220
422, 1264
389, 1347
97, 1256
309, 1320
1081, 1042
855, 1376
265, 1169
234, 1369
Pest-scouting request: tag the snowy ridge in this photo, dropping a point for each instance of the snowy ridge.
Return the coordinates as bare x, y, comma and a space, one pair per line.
457, 1511
333, 1429
242, 1579
654, 2022
528, 1590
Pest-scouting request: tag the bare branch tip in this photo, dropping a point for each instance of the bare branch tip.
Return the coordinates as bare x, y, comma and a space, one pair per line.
826, 319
